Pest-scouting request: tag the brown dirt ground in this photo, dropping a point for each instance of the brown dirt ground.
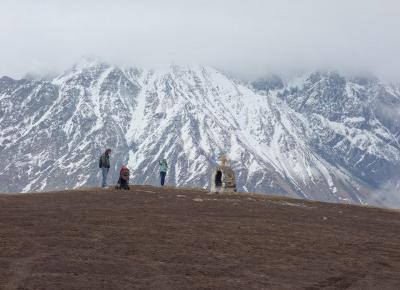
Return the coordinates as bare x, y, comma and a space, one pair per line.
167, 238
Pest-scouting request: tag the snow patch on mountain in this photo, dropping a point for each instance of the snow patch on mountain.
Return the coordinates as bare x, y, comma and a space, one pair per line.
322, 136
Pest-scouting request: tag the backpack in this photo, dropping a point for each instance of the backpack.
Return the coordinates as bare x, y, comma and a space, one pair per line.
124, 173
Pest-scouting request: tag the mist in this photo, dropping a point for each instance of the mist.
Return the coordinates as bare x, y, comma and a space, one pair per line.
249, 38
388, 195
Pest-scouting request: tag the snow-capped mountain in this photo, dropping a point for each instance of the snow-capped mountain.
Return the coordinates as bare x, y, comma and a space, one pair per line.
324, 137
355, 124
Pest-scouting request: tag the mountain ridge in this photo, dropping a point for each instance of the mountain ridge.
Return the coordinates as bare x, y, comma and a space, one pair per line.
191, 114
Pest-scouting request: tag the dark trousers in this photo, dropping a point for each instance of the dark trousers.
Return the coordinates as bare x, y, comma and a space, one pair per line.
123, 183
162, 176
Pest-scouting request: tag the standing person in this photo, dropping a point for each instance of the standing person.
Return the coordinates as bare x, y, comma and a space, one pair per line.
104, 164
163, 170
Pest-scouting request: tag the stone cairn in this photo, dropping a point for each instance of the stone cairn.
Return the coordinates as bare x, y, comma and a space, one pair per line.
223, 177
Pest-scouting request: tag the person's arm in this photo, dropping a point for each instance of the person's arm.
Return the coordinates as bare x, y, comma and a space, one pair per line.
108, 161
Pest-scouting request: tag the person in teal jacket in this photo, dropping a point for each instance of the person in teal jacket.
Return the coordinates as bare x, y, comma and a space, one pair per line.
163, 170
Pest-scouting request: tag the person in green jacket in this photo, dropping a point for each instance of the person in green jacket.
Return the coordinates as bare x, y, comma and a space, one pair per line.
163, 170
104, 164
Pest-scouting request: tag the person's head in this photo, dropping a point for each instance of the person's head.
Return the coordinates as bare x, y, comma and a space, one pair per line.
164, 161
222, 160
108, 151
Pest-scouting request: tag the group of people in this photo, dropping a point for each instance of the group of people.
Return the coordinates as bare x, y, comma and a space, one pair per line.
123, 180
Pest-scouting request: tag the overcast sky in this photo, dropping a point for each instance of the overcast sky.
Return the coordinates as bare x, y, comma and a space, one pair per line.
247, 37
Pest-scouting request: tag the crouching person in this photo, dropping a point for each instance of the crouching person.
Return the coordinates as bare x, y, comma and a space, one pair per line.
123, 181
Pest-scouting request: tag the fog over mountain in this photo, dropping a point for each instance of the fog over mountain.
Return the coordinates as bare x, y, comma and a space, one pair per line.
246, 38
303, 95
322, 136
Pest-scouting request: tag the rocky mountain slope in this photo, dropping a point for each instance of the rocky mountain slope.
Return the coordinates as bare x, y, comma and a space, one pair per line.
355, 124
324, 137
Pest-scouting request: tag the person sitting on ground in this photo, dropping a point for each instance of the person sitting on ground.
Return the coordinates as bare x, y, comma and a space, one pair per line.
163, 170
123, 181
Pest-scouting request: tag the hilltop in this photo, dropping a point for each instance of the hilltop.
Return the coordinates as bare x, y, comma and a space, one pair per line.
169, 238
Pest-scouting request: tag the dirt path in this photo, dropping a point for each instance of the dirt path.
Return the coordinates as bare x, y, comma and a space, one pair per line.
152, 238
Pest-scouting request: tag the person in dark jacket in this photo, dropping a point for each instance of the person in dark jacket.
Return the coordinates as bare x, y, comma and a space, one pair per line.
163, 170
104, 164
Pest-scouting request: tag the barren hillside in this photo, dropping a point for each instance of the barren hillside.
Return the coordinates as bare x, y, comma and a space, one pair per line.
168, 238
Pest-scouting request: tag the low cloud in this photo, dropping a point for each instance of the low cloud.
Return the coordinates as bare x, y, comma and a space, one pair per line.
246, 37
387, 196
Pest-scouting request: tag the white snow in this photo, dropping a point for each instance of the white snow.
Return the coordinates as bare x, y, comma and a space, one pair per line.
190, 115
